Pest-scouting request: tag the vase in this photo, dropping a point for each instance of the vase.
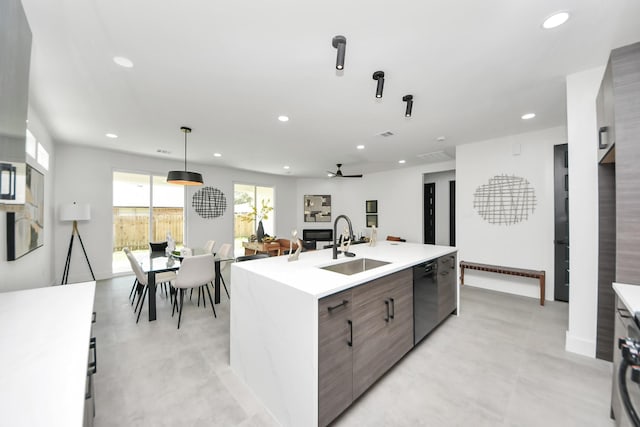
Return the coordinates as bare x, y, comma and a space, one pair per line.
260, 232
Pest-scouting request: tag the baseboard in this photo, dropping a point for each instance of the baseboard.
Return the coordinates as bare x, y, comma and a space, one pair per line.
578, 345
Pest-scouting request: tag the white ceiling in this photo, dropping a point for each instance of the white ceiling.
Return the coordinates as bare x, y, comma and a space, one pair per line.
229, 69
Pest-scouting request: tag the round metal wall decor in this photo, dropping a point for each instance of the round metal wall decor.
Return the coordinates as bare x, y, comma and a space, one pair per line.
209, 202
505, 200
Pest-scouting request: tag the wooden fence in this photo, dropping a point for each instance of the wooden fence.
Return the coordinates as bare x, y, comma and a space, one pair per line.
131, 226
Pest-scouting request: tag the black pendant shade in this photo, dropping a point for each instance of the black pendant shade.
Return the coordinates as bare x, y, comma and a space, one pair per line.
184, 177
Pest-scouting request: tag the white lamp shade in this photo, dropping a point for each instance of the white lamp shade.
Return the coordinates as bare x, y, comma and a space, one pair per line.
75, 212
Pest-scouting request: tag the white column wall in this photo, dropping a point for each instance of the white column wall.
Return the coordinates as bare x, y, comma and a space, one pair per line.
582, 89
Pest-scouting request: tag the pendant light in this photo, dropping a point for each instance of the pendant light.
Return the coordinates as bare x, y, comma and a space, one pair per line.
184, 177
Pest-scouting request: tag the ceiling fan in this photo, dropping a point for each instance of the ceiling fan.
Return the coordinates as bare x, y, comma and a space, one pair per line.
339, 174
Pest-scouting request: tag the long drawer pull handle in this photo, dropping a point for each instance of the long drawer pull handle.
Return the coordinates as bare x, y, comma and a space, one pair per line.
386, 302
393, 307
350, 340
92, 346
342, 304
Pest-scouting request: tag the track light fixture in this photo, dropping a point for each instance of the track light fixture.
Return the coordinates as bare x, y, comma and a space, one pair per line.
184, 177
379, 76
340, 43
409, 100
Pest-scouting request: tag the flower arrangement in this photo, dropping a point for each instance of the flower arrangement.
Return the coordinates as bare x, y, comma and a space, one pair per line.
256, 215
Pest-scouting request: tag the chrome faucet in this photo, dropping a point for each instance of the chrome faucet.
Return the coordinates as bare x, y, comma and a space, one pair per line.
335, 234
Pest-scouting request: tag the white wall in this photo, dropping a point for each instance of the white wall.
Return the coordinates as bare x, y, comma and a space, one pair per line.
582, 89
399, 196
441, 179
528, 244
34, 269
87, 178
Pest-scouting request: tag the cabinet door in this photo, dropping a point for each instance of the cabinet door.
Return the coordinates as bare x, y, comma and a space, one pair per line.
376, 346
446, 286
335, 361
400, 332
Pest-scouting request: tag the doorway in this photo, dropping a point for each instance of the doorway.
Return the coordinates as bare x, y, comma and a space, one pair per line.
561, 210
430, 213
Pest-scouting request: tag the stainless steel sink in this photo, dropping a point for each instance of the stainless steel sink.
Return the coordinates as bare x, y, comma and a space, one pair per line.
355, 266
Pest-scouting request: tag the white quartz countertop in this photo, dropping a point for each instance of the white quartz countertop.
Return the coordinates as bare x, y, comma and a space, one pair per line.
629, 295
306, 276
44, 350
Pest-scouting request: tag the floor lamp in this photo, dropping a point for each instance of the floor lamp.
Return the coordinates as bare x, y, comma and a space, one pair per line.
75, 212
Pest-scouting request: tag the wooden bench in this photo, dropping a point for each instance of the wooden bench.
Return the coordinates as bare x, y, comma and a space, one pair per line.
535, 274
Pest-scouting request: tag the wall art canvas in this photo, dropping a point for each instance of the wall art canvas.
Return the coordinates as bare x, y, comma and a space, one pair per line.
209, 202
25, 228
505, 200
317, 208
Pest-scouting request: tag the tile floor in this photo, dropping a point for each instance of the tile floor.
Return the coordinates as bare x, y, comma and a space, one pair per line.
500, 363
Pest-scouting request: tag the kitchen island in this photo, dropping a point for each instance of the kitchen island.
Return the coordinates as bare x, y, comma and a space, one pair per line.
275, 321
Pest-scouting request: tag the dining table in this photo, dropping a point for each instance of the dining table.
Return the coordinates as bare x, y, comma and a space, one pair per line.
157, 262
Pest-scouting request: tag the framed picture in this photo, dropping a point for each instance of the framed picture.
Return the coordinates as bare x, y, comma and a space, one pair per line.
372, 220
317, 208
372, 206
25, 228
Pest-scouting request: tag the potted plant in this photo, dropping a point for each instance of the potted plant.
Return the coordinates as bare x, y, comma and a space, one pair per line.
258, 215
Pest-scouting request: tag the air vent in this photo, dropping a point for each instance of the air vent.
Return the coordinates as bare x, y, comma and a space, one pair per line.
163, 151
386, 134
435, 156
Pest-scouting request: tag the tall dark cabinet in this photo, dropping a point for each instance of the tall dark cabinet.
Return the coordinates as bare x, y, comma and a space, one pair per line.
618, 115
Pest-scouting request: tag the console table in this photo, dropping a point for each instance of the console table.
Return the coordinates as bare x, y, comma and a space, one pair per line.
252, 248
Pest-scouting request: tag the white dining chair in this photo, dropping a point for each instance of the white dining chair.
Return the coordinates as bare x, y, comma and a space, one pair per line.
226, 251
208, 247
141, 280
195, 272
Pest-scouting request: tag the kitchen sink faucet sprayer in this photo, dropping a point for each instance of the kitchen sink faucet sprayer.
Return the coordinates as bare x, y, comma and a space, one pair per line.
335, 236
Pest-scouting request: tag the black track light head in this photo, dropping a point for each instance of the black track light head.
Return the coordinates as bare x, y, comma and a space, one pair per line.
340, 43
409, 100
379, 76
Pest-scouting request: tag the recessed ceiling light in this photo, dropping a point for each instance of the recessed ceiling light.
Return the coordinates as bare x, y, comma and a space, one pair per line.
111, 135
402, 162
217, 155
528, 116
283, 118
555, 20
287, 167
123, 62
441, 139
360, 147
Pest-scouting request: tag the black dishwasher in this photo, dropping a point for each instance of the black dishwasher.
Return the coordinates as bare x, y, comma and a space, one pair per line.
425, 299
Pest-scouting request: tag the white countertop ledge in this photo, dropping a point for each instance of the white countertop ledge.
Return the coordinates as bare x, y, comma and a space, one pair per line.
629, 295
44, 351
306, 274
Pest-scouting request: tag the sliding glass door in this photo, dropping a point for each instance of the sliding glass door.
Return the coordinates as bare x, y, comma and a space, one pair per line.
246, 198
145, 208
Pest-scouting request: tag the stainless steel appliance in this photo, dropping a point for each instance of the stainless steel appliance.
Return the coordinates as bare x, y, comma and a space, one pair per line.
425, 299
626, 326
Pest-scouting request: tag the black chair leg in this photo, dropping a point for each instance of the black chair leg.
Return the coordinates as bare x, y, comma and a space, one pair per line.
144, 294
225, 286
181, 304
133, 288
174, 294
211, 301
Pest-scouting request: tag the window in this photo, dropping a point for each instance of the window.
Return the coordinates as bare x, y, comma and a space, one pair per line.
245, 224
145, 209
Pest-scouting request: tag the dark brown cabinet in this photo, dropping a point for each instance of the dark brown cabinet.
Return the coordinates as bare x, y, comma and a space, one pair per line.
447, 282
335, 356
361, 334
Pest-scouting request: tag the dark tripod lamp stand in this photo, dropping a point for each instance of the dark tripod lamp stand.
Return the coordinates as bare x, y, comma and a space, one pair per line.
75, 212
